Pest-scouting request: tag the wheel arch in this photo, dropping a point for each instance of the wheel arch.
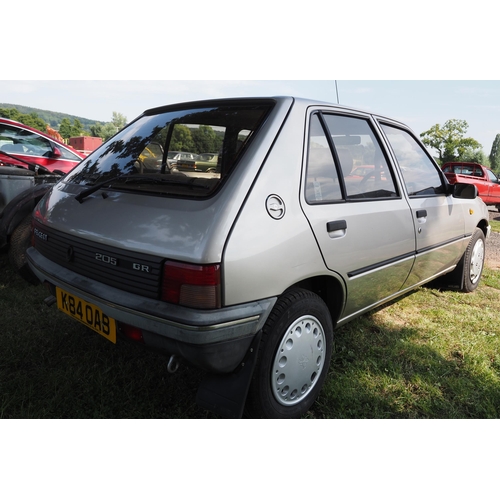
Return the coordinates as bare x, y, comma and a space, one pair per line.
483, 225
329, 289
20, 206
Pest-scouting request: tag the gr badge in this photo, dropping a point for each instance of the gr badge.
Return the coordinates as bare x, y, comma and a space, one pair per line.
140, 267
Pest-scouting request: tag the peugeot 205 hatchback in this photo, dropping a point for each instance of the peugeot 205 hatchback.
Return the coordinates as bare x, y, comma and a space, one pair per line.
245, 271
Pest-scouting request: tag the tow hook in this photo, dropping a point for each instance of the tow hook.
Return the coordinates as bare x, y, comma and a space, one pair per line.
173, 364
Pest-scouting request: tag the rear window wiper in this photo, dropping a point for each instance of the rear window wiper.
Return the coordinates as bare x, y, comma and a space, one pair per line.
154, 178
92, 189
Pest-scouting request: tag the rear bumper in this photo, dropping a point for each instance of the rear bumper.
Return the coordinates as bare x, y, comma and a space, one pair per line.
216, 340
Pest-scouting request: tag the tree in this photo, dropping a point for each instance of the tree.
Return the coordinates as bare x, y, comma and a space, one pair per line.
119, 120
449, 141
108, 130
96, 130
31, 120
68, 129
495, 155
182, 140
206, 140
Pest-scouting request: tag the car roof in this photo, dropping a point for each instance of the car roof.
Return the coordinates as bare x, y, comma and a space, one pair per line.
301, 101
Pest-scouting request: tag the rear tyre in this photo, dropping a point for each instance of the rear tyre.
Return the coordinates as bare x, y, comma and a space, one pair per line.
20, 241
472, 262
293, 358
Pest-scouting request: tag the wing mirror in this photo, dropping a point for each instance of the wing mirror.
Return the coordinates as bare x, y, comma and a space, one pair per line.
464, 191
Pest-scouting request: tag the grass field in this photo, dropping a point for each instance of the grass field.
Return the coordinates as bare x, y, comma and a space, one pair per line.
434, 354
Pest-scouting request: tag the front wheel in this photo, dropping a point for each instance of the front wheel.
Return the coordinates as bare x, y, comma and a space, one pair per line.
20, 241
294, 357
473, 262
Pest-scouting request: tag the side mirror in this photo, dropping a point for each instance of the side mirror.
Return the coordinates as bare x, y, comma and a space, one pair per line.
464, 191
56, 152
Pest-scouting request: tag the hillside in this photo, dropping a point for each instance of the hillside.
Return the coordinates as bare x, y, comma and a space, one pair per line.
53, 118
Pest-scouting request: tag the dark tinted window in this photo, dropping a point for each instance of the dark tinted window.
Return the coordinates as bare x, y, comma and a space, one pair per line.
157, 153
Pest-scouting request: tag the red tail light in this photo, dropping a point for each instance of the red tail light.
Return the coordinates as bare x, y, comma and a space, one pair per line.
131, 332
191, 285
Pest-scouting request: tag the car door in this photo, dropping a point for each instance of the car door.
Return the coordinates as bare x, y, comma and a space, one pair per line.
494, 192
439, 220
362, 223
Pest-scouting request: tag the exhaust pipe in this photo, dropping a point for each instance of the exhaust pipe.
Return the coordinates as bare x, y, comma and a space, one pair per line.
50, 300
173, 364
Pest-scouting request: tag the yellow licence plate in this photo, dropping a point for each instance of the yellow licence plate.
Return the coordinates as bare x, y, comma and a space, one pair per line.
86, 313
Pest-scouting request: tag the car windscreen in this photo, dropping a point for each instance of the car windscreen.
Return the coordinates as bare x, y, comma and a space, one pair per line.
139, 158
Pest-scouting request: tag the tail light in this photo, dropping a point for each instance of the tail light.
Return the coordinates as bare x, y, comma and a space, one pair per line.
191, 285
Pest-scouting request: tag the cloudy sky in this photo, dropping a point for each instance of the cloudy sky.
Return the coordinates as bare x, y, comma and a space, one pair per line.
418, 103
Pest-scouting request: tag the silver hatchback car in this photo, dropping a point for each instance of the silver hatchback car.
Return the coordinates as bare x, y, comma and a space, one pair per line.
315, 214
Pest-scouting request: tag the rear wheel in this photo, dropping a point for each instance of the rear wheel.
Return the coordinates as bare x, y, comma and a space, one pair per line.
293, 358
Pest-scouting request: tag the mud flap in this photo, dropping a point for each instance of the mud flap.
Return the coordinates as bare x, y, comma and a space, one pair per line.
225, 395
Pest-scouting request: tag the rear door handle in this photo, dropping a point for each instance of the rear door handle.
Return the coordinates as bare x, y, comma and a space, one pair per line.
336, 228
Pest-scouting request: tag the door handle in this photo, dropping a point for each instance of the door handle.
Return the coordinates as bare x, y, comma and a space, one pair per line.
336, 225
421, 213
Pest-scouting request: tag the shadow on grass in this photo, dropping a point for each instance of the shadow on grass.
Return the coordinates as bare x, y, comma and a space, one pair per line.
381, 372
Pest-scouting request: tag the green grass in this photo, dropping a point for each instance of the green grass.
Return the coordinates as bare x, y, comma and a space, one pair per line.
434, 354
495, 225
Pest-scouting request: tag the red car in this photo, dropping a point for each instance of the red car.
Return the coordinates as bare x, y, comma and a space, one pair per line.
487, 183
22, 145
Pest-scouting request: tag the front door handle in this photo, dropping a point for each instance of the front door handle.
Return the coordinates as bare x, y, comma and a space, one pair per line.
421, 214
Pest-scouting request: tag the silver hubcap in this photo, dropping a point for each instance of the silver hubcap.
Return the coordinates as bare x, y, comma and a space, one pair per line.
298, 361
476, 261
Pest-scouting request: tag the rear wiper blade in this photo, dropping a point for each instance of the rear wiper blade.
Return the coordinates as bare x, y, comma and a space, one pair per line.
92, 189
153, 178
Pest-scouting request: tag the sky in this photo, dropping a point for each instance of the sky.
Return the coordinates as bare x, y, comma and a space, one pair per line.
418, 103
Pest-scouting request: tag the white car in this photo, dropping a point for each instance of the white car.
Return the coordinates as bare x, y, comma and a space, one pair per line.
246, 272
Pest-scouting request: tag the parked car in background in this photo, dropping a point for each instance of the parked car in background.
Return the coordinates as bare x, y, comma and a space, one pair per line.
487, 183
20, 190
30, 164
245, 272
20, 144
174, 157
204, 162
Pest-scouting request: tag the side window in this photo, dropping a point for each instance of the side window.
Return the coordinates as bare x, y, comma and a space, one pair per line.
492, 176
24, 142
363, 164
322, 183
65, 153
420, 175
